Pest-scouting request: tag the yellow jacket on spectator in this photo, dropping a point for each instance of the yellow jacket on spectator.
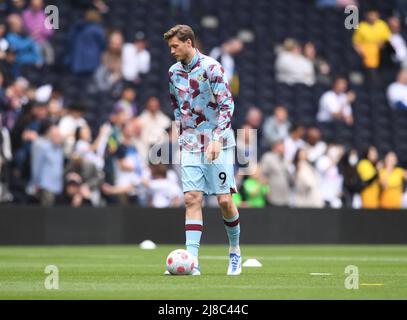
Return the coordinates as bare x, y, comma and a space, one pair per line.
369, 37
392, 193
370, 194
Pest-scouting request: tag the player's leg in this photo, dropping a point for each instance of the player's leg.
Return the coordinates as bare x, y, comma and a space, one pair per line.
193, 186
193, 225
231, 221
222, 183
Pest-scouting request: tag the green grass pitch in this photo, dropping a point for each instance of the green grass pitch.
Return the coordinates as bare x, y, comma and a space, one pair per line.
127, 272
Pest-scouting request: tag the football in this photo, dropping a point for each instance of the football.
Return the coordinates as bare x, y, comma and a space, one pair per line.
180, 262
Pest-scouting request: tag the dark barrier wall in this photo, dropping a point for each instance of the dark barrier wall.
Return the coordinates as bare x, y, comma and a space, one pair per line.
112, 225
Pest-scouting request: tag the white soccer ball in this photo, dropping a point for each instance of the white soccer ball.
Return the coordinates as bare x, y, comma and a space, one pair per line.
180, 262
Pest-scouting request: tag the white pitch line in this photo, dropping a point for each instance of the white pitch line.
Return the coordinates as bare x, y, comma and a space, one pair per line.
318, 258
320, 274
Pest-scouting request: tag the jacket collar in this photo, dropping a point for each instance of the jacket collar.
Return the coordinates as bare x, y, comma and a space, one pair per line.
188, 67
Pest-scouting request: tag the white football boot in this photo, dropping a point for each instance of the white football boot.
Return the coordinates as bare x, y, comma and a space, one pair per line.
235, 265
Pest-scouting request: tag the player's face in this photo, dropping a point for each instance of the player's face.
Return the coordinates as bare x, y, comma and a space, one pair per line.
179, 49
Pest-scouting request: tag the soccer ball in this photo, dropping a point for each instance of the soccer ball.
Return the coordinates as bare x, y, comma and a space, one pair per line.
180, 262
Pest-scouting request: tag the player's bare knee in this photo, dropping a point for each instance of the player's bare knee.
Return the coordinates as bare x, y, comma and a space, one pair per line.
192, 199
225, 202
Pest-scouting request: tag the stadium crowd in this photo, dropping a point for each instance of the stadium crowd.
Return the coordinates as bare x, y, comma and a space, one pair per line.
50, 156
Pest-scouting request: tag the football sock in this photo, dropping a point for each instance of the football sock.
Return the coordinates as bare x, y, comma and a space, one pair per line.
193, 232
232, 226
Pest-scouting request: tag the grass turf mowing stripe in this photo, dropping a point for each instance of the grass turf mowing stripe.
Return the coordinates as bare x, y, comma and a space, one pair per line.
126, 272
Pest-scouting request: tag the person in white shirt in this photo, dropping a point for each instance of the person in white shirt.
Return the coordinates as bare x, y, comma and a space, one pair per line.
397, 41
136, 58
293, 142
154, 121
292, 67
163, 188
69, 124
397, 91
335, 104
330, 176
314, 145
224, 54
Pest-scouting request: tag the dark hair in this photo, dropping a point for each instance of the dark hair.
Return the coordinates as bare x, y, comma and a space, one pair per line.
77, 106
182, 32
295, 127
78, 134
365, 152
296, 159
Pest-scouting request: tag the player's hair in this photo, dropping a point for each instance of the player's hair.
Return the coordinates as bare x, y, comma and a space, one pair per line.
182, 32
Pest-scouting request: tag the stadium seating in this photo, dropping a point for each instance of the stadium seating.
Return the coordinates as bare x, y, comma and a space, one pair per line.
272, 22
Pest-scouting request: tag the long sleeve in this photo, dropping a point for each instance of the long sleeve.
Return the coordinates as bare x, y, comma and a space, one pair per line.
174, 104
37, 161
224, 100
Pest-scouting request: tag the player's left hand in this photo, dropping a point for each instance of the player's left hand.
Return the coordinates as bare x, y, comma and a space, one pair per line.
213, 150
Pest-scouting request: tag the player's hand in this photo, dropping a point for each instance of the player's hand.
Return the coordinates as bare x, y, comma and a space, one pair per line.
213, 150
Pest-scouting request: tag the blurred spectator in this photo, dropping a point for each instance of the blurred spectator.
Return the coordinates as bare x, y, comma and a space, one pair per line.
368, 39
274, 168
16, 6
82, 180
391, 179
331, 178
34, 21
2, 91
4, 45
275, 127
325, 3
335, 3
28, 52
109, 73
69, 123
307, 185
5, 163
293, 142
15, 100
180, 5
109, 139
154, 122
335, 104
73, 195
100, 5
127, 102
246, 148
225, 55
136, 58
367, 169
292, 67
129, 171
163, 188
86, 42
47, 163
397, 41
314, 146
55, 102
352, 183
88, 151
8, 66
322, 69
254, 119
254, 190
167, 152
25, 132
397, 91
141, 144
